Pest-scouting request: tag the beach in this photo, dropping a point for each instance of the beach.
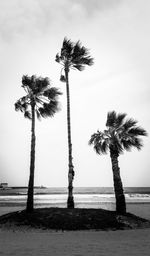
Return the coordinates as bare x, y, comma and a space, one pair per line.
21, 241
75, 243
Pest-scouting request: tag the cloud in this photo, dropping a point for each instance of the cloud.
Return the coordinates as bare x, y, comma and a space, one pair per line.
92, 7
25, 18
34, 18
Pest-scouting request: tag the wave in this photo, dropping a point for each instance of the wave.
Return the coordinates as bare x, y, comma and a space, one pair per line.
79, 198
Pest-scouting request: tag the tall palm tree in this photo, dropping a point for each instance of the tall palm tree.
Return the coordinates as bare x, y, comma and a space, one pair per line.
72, 56
121, 134
40, 100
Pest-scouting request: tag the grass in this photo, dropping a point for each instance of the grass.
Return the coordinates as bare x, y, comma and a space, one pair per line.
73, 219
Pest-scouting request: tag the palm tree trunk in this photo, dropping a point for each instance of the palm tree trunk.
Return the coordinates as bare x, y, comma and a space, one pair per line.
30, 203
70, 201
118, 187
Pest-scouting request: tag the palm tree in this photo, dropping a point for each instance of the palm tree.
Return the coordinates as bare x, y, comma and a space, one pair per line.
40, 100
72, 56
120, 135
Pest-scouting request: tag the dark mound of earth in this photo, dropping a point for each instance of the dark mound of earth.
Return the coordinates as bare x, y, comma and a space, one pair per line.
73, 219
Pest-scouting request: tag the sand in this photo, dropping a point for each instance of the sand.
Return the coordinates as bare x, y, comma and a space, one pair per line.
75, 243
31, 242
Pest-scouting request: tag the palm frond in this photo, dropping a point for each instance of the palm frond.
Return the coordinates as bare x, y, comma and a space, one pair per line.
127, 144
77, 50
85, 61
100, 142
120, 119
74, 54
27, 114
95, 137
38, 114
38, 90
18, 106
28, 82
97, 148
92, 139
67, 48
121, 135
137, 131
49, 109
104, 147
52, 93
62, 78
40, 85
80, 67
81, 56
111, 119
21, 105
137, 143
35, 84
57, 58
129, 123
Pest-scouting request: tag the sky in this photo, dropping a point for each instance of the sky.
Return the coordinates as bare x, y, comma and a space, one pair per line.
116, 32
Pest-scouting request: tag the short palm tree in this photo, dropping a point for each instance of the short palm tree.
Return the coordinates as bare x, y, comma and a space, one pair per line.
72, 56
40, 100
120, 135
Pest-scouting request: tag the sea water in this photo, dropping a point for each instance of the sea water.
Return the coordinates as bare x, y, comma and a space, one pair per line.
137, 198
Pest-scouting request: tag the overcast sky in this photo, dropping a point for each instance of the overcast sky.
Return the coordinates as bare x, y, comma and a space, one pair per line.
117, 32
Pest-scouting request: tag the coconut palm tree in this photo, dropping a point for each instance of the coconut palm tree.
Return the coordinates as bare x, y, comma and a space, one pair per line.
72, 56
41, 101
121, 134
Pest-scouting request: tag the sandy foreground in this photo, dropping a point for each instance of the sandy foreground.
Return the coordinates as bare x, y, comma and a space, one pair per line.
75, 243
32, 242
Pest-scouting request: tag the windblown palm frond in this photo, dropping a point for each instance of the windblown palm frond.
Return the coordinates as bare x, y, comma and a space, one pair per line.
79, 67
74, 55
40, 94
23, 106
52, 93
27, 114
121, 134
48, 109
120, 119
62, 78
115, 120
129, 123
137, 131
111, 118
100, 141
132, 142
67, 48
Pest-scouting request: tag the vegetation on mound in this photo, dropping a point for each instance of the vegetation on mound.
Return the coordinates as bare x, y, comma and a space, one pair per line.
73, 219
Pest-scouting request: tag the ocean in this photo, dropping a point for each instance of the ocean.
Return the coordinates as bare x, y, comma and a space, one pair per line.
137, 198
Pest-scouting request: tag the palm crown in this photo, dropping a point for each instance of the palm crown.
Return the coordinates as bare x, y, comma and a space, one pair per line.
39, 93
74, 55
120, 135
